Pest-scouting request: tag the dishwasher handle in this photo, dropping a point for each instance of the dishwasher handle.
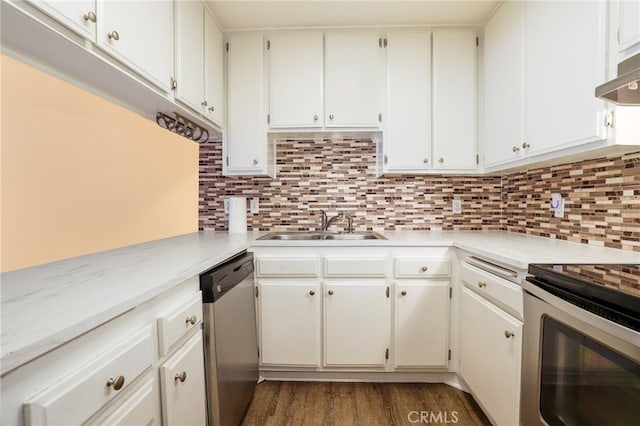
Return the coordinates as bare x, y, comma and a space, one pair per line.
218, 281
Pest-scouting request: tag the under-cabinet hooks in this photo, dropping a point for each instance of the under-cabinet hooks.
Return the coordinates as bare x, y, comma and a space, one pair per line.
182, 126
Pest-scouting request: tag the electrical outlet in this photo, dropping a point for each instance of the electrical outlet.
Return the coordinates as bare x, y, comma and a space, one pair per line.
456, 206
557, 203
255, 205
226, 206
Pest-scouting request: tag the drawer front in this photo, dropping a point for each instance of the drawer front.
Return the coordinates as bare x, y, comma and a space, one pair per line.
177, 322
139, 409
78, 396
287, 267
354, 267
502, 292
421, 268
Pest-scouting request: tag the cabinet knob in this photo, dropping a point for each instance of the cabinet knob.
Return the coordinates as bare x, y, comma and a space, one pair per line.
116, 383
90, 16
191, 320
255, 161
482, 284
403, 293
113, 35
330, 292
180, 376
425, 161
424, 269
515, 148
440, 160
204, 103
508, 334
331, 117
525, 145
315, 118
312, 293
212, 108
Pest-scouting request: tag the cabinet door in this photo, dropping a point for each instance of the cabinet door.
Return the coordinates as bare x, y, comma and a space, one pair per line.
454, 99
140, 408
351, 79
421, 326
290, 323
564, 62
295, 61
146, 48
628, 24
487, 352
246, 117
355, 324
183, 389
190, 53
76, 15
407, 135
503, 84
213, 70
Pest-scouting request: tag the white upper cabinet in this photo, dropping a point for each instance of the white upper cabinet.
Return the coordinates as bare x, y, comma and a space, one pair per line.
454, 99
564, 62
407, 131
190, 53
628, 24
246, 142
351, 78
213, 70
146, 48
79, 15
503, 84
295, 63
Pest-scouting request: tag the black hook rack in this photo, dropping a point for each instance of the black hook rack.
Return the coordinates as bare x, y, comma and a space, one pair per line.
182, 126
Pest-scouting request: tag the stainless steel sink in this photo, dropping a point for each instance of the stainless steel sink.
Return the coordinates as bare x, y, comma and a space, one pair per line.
306, 236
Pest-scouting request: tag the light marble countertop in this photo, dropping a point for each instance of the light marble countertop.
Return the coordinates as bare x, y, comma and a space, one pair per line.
45, 306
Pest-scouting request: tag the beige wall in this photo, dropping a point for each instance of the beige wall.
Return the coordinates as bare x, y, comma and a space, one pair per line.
80, 174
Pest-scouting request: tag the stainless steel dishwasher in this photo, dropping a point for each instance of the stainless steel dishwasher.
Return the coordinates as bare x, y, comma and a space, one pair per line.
230, 339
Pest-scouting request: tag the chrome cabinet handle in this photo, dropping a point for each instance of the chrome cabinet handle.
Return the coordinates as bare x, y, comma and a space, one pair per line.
403, 293
440, 160
90, 16
255, 161
508, 334
113, 35
211, 108
116, 383
191, 320
315, 118
525, 145
425, 161
424, 269
515, 148
204, 103
482, 284
180, 376
331, 117
330, 292
312, 293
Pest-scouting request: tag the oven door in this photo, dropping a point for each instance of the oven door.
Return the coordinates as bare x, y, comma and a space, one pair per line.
578, 368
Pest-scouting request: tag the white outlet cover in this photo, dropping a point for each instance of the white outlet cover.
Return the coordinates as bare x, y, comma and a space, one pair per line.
255, 205
557, 203
456, 206
226, 206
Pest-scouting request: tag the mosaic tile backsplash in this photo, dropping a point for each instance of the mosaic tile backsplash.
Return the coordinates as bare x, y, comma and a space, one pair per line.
602, 203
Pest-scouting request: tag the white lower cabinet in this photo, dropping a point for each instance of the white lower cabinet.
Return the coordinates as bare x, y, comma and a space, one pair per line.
421, 324
356, 323
183, 387
138, 409
491, 357
290, 323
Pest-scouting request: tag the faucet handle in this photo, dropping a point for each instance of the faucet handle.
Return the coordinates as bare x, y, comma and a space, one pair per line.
350, 224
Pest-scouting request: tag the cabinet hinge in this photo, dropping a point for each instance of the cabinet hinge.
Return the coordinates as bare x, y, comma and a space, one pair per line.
450, 292
227, 47
477, 159
227, 161
477, 41
387, 291
268, 118
386, 159
385, 43
268, 44
380, 117
258, 353
449, 355
380, 42
618, 35
608, 119
257, 291
386, 354
174, 84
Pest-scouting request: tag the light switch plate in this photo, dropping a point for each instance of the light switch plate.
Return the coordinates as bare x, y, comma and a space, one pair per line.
456, 206
226, 206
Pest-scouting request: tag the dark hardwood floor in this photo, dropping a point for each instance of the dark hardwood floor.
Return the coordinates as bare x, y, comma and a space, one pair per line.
318, 403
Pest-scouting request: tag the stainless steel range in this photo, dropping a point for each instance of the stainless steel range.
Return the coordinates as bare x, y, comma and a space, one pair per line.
581, 355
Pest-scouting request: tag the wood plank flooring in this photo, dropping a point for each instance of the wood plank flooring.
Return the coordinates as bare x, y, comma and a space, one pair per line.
321, 403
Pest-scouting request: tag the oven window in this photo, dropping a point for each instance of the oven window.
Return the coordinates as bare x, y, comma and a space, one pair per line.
585, 383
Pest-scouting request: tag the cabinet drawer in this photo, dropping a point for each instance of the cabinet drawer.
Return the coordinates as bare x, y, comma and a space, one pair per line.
80, 394
138, 409
176, 322
287, 267
354, 267
421, 268
502, 292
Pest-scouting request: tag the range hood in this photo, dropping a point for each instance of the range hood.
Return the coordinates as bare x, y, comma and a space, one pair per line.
624, 90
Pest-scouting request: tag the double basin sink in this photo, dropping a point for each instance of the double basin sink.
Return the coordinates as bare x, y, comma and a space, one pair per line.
316, 235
